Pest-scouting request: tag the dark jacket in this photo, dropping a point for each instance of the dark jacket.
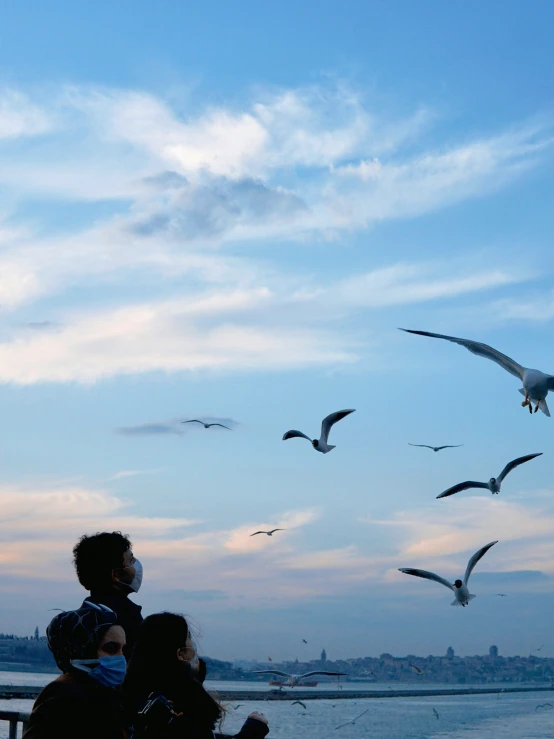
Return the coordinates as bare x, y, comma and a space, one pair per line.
129, 614
198, 711
75, 706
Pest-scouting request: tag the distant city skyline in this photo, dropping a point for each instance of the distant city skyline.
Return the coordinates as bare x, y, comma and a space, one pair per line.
224, 211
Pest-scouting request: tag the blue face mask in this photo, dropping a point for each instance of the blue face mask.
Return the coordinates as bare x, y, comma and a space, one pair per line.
110, 671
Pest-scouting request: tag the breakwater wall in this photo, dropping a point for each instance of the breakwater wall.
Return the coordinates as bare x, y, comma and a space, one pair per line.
30, 692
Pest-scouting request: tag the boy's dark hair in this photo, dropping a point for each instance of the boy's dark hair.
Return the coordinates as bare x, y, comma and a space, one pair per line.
96, 556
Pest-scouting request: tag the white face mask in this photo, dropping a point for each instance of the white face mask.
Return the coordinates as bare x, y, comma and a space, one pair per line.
137, 579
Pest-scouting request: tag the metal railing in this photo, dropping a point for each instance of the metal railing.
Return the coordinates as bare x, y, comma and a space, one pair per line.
14, 718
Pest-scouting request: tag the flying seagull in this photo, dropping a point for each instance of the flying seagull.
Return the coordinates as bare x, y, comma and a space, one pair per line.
543, 705
460, 589
269, 533
353, 720
417, 669
294, 680
437, 448
321, 445
436, 713
299, 703
239, 705
305, 642
494, 484
207, 425
535, 383
501, 595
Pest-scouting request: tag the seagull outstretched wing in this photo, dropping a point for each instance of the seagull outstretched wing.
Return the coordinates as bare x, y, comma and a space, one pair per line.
193, 420
515, 463
467, 485
476, 557
427, 576
293, 434
271, 672
209, 425
329, 421
448, 446
320, 672
424, 446
482, 350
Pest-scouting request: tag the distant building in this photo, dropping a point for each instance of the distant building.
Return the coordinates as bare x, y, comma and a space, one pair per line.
493, 651
37, 636
324, 656
450, 653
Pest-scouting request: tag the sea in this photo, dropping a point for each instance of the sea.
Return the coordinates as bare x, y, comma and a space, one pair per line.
504, 715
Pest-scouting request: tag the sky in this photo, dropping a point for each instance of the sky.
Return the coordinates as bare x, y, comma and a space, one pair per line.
225, 211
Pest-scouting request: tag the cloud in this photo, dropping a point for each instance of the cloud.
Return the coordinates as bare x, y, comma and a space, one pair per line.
252, 328
20, 117
152, 429
122, 474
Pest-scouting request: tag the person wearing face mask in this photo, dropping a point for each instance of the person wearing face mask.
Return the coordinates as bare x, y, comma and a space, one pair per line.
162, 695
107, 568
84, 702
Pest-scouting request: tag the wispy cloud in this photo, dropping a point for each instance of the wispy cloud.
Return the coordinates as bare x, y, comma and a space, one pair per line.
152, 429
19, 116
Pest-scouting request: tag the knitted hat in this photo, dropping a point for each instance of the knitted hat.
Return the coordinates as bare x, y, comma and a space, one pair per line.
75, 634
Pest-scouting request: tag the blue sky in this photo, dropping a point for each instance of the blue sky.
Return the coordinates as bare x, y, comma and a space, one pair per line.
226, 211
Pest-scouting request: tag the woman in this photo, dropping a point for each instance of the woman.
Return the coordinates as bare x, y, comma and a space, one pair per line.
83, 703
161, 668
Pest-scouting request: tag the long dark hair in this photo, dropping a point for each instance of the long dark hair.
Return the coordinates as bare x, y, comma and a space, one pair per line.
154, 667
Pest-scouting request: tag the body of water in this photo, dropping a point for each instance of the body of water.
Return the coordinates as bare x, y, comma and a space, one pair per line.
510, 716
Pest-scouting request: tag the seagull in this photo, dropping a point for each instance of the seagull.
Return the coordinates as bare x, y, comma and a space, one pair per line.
436, 713
417, 669
299, 703
437, 448
269, 533
501, 595
460, 589
539, 649
494, 483
294, 680
305, 642
207, 425
239, 705
543, 705
353, 720
535, 383
321, 445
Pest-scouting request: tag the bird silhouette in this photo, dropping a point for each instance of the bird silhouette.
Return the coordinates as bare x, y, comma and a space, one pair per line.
495, 483
207, 425
269, 533
437, 448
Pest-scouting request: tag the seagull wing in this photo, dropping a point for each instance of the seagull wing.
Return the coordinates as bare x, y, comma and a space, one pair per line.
293, 434
515, 463
271, 672
193, 420
427, 576
258, 532
449, 446
219, 424
476, 557
426, 446
482, 350
467, 485
320, 672
330, 420
274, 530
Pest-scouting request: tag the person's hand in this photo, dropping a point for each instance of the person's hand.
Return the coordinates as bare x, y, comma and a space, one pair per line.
259, 717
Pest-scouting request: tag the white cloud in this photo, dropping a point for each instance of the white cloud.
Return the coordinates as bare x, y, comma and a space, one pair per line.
21, 117
256, 328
